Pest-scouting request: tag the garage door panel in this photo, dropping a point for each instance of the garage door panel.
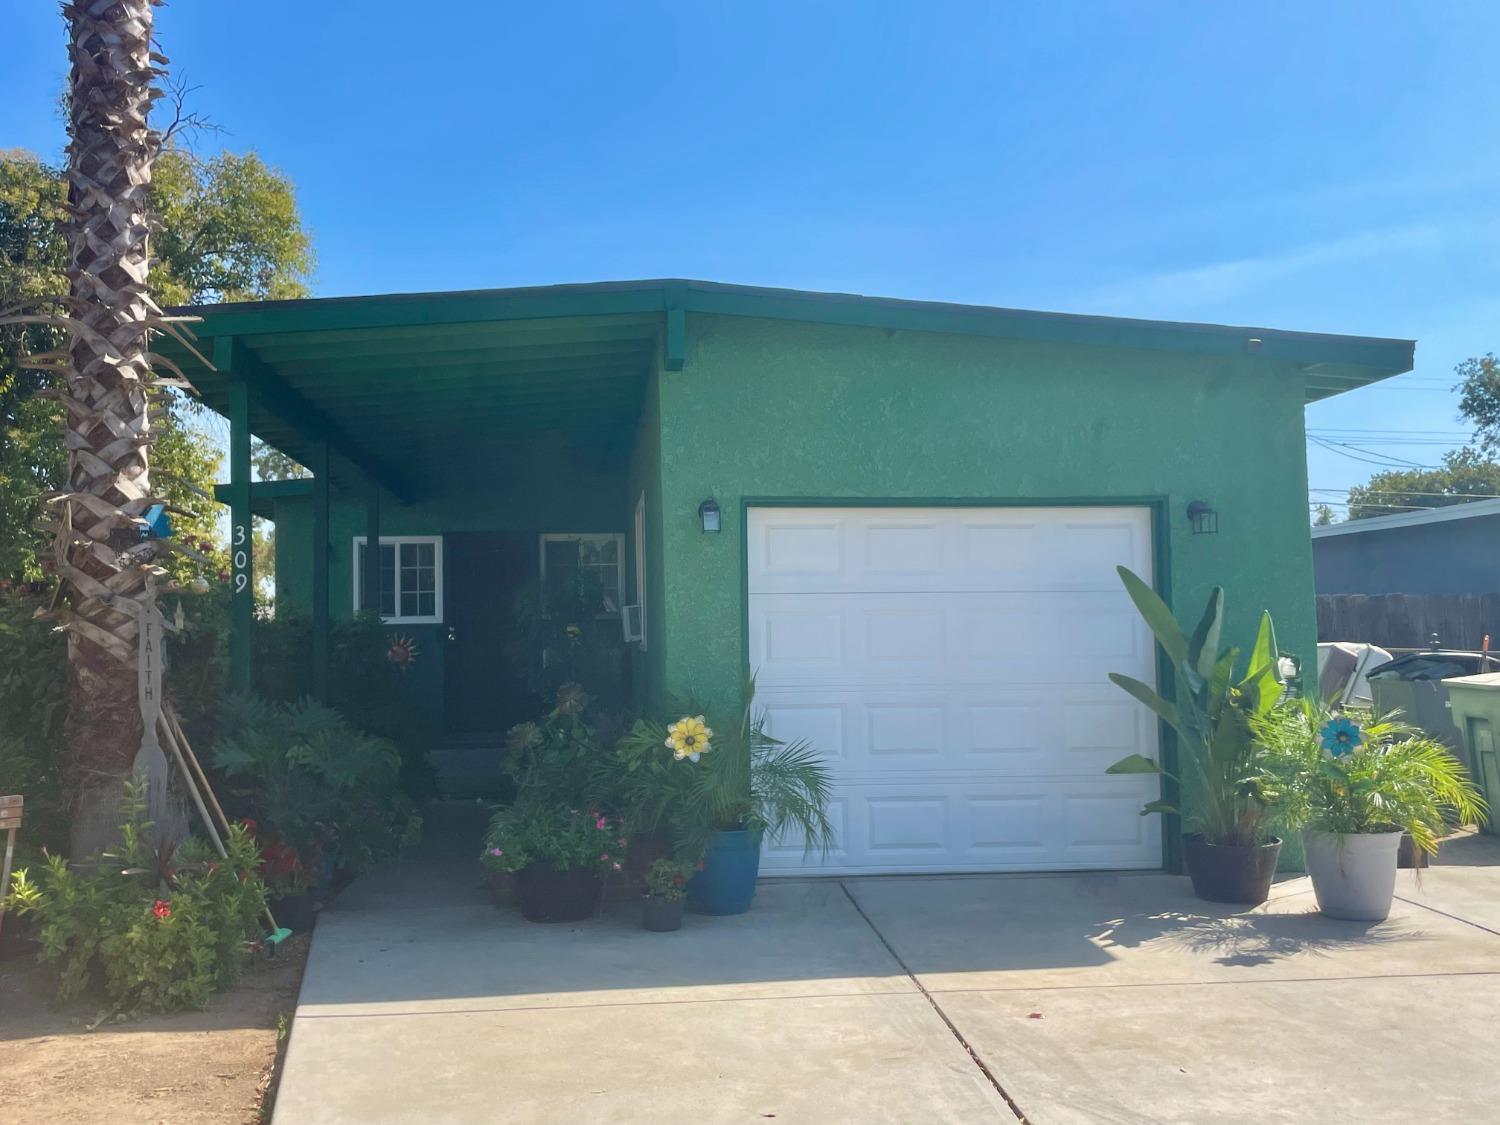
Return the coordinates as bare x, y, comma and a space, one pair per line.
1037, 824
944, 637
951, 666
971, 731
959, 549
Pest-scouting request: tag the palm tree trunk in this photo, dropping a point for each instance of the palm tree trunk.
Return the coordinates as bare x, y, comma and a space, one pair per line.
108, 377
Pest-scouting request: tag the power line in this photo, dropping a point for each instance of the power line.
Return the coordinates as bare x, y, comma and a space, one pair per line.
1385, 461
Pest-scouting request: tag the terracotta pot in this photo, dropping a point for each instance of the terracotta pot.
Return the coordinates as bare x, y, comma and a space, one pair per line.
1230, 873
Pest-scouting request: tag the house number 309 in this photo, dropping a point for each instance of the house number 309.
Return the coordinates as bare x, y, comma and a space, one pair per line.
241, 559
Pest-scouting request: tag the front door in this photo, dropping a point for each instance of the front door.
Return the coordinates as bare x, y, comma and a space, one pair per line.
484, 572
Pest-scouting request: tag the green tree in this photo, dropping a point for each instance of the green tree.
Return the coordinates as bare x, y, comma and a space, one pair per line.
1322, 515
230, 230
1466, 474
1479, 398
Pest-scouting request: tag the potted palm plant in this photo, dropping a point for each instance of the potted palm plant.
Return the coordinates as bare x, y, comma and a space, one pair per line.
721, 794
1231, 856
559, 856
1356, 783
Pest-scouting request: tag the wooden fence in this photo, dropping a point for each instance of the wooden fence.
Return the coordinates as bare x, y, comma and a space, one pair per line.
1409, 620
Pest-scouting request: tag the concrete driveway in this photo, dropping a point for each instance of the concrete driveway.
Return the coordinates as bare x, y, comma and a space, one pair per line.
1050, 999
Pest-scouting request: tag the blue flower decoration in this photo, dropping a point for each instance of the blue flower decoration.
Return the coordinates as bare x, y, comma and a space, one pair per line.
1340, 736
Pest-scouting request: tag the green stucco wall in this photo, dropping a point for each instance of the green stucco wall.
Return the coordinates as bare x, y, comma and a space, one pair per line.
778, 409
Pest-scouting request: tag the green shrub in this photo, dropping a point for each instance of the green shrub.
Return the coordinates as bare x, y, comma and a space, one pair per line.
152, 927
362, 683
315, 783
668, 878
33, 708
567, 838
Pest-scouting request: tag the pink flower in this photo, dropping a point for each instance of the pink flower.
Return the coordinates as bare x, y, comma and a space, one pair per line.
496, 852
616, 866
601, 823
603, 858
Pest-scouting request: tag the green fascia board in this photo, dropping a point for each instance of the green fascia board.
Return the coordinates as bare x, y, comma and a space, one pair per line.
1365, 359
265, 493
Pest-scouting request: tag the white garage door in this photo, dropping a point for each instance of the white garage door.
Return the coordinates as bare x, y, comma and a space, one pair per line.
950, 665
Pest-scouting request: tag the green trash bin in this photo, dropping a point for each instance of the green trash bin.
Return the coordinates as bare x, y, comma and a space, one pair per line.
1476, 712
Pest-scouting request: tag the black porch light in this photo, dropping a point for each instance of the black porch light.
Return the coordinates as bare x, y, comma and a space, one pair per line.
708, 512
1204, 519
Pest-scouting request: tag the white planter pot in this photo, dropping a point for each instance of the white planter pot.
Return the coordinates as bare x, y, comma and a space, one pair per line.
1353, 877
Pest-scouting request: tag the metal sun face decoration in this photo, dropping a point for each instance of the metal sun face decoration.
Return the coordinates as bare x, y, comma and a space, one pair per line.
403, 652
688, 738
1341, 736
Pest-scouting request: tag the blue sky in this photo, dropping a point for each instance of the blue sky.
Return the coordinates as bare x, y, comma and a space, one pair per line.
1330, 167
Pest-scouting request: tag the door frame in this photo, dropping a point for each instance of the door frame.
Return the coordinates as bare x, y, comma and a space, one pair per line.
1161, 581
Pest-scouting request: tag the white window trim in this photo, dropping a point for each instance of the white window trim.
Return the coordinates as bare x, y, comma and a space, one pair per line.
437, 576
640, 564
578, 537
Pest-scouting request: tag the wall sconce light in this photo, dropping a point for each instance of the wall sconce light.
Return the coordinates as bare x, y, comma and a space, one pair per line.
708, 512
1204, 519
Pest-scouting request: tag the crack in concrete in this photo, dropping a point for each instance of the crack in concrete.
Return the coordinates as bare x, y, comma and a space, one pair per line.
936, 1007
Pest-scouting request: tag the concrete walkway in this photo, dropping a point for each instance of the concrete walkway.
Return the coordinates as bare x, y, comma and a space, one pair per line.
1065, 999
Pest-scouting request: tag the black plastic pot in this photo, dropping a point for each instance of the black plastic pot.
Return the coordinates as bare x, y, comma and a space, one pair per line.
1410, 856
296, 912
549, 895
1229, 873
661, 915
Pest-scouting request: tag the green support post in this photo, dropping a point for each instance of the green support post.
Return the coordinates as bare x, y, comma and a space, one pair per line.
370, 581
241, 526
320, 620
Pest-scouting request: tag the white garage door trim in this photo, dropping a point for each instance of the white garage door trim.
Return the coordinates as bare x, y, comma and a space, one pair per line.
951, 664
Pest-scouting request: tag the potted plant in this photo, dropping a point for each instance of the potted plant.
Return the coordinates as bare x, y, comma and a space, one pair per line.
720, 795
1230, 854
558, 855
1356, 783
666, 888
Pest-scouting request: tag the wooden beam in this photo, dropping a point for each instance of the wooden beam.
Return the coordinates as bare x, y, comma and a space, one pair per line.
229, 359
276, 396
321, 532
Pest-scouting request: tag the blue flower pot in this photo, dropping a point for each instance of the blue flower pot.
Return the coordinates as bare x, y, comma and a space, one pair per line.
726, 885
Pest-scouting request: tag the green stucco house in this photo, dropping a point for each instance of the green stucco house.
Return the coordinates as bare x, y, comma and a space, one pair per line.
903, 517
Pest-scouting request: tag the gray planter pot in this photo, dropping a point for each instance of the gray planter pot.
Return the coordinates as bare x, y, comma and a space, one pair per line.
1354, 876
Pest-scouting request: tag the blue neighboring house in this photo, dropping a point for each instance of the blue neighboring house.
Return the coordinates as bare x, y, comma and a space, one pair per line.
1452, 550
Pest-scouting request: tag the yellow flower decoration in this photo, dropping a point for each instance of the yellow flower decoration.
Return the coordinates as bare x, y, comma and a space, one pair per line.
689, 737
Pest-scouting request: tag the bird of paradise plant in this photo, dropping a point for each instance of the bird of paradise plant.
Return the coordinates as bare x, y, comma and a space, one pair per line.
1217, 753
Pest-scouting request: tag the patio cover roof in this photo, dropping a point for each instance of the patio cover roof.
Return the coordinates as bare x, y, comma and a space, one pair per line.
397, 384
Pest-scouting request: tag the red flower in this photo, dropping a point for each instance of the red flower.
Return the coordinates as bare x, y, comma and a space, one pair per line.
162, 909
250, 825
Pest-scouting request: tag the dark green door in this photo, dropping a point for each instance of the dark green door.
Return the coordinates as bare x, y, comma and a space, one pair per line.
482, 575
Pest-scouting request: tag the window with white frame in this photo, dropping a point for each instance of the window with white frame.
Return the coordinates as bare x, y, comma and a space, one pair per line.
587, 564
411, 577
640, 567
